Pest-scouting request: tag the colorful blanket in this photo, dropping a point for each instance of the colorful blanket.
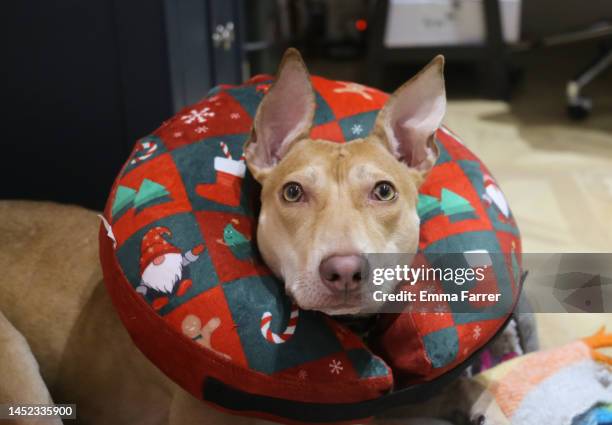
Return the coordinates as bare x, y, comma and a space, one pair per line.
568, 385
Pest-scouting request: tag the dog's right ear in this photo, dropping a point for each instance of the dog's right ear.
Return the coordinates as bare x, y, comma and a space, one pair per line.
284, 116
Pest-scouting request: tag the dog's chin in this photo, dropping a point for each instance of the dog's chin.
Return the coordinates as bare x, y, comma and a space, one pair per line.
313, 295
333, 310
341, 311
331, 307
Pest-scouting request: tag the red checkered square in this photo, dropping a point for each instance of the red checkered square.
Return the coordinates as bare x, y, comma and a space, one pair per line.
330, 131
227, 266
161, 170
450, 176
207, 320
219, 115
346, 99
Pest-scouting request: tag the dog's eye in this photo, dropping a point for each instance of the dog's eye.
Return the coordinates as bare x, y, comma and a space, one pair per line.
293, 192
384, 191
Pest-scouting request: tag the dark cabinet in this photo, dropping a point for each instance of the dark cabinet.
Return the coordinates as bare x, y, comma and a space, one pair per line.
84, 80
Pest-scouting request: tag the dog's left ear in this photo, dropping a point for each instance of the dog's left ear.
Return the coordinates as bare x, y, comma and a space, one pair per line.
284, 116
411, 116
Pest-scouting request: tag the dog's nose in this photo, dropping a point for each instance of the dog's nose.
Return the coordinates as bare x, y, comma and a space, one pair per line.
342, 273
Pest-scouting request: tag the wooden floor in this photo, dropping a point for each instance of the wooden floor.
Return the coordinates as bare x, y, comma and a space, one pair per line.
556, 173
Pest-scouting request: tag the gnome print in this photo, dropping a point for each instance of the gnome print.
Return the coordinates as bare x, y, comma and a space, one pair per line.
162, 265
229, 175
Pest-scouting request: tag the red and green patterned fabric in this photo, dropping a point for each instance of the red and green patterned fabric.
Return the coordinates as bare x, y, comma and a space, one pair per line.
219, 324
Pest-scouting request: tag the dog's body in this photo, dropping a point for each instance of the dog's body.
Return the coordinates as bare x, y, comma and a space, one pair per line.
61, 340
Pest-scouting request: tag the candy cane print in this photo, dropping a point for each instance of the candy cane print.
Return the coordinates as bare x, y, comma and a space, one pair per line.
148, 148
227, 153
266, 319
225, 150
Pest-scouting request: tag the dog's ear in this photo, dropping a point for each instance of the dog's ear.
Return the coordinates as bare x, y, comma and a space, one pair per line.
284, 115
411, 116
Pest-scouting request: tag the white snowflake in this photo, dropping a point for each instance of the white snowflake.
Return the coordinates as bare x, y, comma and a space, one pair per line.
201, 129
357, 129
177, 134
234, 115
440, 310
199, 116
476, 332
336, 367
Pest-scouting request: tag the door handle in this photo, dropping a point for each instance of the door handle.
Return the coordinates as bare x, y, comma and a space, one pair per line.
223, 36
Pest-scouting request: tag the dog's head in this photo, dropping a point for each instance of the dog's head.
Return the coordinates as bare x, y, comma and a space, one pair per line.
325, 204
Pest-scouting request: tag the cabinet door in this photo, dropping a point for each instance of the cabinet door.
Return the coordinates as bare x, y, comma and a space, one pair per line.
189, 50
204, 47
82, 81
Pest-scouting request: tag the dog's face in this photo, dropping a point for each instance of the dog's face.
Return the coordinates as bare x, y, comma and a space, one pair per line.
325, 204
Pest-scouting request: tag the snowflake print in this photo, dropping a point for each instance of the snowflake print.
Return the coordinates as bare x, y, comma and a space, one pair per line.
357, 129
201, 129
177, 134
440, 310
302, 375
431, 289
234, 115
476, 332
336, 367
198, 116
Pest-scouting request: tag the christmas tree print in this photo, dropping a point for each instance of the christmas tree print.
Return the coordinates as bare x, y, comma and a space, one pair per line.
236, 242
124, 197
149, 191
426, 204
452, 203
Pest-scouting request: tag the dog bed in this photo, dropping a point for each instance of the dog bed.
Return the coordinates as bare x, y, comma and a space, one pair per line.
182, 268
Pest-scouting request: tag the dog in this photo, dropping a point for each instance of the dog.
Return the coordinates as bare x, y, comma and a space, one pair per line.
323, 206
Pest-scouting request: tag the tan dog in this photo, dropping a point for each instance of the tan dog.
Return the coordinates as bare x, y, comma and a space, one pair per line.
324, 204
61, 340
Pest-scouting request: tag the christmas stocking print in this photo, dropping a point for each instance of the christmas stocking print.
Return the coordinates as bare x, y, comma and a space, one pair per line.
229, 174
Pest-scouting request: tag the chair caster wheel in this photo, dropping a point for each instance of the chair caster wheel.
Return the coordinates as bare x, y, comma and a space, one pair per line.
579, 109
